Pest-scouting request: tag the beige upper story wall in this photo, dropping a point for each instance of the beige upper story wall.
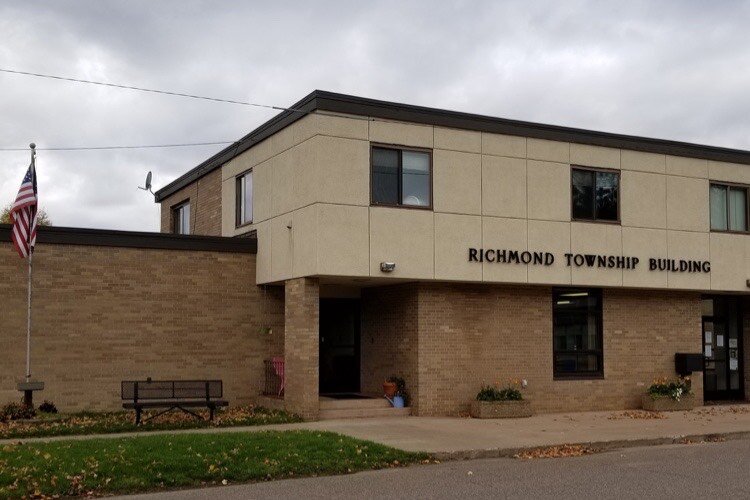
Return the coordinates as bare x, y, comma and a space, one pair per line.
313, 216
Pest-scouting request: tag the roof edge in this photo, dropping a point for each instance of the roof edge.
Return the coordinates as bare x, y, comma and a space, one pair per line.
57, 235
264, 131
362, 106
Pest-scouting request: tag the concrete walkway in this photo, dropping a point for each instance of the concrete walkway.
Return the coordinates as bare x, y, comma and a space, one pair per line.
473, 438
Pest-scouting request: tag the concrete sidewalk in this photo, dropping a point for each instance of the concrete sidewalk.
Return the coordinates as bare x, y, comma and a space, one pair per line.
455, 438
474, 438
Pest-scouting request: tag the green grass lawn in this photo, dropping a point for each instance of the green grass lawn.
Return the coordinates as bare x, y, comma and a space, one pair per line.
124, 465
123, 421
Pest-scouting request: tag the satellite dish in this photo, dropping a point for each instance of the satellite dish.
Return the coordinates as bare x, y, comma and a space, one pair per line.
148, 184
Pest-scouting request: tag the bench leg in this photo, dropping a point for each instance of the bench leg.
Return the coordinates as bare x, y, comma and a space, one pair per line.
137, 416
211, 413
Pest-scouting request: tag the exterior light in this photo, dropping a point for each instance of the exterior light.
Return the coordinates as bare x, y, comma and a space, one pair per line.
387, 267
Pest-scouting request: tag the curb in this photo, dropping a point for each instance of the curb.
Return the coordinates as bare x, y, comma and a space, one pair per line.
597, 446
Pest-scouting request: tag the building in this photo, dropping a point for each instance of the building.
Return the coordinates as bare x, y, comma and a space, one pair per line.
359, 239
456, 250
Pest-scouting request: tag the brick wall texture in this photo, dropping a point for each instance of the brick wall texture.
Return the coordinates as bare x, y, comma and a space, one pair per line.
388, 341
466, 335
301, 346
103, 315
205, 205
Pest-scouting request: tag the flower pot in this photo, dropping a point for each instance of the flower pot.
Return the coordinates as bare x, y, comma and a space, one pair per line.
664, 403
389, 389
500, 409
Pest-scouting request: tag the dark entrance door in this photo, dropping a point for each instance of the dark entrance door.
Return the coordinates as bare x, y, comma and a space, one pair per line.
339, 346
722, 348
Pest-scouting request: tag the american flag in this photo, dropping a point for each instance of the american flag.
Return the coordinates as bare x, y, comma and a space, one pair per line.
23, 214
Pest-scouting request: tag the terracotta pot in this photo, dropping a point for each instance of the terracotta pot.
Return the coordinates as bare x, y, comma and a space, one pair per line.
389, 389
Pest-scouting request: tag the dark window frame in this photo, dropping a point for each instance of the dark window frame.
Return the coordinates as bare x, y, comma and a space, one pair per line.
595, 375
728, 186
619, 193
238, 202
400, 150
175, 219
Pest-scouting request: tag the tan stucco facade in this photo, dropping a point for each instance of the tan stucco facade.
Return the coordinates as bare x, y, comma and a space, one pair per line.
313, 215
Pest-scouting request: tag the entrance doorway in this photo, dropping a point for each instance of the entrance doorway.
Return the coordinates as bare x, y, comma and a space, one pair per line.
339, 346
722, 348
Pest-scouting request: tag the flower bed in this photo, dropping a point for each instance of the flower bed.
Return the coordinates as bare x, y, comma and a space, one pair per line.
121, 421
497, 402
669, 395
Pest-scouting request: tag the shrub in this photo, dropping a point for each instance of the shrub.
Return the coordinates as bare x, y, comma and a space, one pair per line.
510, 392
673, 389
48, 407
16, 411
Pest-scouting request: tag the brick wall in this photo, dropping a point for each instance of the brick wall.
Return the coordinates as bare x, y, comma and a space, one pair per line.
473, 334
102, 315
388, 342
205, 205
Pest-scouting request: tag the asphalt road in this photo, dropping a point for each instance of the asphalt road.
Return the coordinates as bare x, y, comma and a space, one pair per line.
710, 470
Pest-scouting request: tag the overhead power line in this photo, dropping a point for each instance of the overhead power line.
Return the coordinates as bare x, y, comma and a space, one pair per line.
162, 92
154, 91
147, 146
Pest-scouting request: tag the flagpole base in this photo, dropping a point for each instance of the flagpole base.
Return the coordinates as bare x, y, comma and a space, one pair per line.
28, 389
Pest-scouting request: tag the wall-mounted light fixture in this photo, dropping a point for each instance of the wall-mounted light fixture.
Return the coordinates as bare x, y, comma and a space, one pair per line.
387, 267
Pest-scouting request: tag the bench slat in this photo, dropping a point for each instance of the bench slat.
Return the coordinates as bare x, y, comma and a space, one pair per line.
137, 390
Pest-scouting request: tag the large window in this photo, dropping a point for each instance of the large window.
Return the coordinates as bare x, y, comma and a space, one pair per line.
181, 218
577, 332
401, 177
596, 194
728, 207
244, 198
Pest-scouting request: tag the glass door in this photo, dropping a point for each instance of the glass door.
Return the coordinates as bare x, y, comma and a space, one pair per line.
722, 323
339, 346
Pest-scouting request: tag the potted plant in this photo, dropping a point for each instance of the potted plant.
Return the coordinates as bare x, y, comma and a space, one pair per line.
500, 402
669, 395
389, 388
395, 391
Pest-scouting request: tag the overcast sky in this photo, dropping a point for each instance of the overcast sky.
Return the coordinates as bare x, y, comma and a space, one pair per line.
675, 70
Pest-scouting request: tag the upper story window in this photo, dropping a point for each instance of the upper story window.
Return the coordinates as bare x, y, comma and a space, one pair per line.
401, 177
244, 198
595, 194
577, 332
728, 207
181, 218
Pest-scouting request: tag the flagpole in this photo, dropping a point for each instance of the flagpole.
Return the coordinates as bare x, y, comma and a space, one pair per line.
31, 255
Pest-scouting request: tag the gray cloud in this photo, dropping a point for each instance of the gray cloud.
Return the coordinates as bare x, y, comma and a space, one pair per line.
675, 70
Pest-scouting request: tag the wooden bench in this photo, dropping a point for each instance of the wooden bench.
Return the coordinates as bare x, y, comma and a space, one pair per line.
172, 395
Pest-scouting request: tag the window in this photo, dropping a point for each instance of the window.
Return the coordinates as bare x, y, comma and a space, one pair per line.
728, 207
577, 333
595, 194
181, 218
244, 199
401, 177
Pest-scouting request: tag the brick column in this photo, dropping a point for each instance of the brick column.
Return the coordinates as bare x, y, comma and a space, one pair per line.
301, 348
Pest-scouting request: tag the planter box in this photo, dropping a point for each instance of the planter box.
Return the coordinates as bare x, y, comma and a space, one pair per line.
668, 404
500, 409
